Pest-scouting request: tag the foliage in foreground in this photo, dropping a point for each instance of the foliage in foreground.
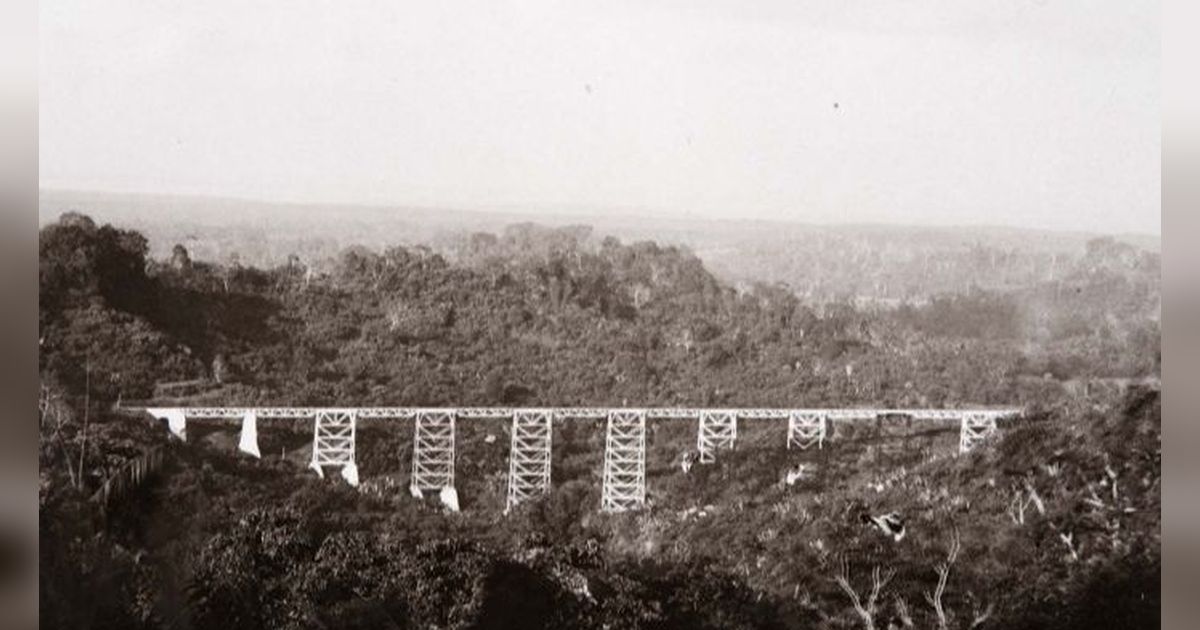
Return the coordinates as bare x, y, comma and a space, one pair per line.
1057, 525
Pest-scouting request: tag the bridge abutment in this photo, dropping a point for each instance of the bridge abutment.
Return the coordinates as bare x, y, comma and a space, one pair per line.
176, 421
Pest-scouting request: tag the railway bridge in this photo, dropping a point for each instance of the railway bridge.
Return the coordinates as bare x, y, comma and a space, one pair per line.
624, 478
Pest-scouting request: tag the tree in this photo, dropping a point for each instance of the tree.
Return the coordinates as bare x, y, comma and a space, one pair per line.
180, 260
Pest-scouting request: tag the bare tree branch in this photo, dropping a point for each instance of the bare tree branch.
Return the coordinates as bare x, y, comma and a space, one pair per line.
981, 617
1068, 539
903, 613
1037, 499
879, 581
943, 572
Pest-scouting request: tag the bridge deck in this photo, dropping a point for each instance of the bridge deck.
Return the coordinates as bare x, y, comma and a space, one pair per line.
586, 412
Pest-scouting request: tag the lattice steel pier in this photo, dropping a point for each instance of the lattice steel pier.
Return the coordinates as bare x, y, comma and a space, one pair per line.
334, 432
529, 456
976, 429
624, 461
433, 450
717, 430
806, 429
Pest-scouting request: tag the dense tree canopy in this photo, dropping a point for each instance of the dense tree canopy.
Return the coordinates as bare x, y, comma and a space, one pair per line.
559, 317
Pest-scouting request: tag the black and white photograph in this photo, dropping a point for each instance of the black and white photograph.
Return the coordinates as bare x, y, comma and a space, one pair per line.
656, 315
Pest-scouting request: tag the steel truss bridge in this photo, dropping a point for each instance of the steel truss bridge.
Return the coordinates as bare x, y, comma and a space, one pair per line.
624, 479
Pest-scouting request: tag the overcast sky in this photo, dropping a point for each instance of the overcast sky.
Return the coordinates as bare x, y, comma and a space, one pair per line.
1040, 113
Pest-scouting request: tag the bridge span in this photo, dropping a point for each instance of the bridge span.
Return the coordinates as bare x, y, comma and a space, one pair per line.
624, 478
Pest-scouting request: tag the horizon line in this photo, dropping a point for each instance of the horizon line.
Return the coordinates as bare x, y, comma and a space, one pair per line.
585, 211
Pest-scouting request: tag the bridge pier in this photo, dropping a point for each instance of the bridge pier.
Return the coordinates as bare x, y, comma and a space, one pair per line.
248, 438
529, 456
806, 429
624, 461
976, 427
433, 451
176, 420
718, 429
333, 442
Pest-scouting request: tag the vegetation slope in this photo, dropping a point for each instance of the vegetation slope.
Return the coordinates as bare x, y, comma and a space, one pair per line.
1057, 524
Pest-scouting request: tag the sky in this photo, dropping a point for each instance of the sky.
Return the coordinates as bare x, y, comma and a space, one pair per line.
1035, 113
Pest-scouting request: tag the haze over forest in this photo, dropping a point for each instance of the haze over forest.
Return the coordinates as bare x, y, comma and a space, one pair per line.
864, 261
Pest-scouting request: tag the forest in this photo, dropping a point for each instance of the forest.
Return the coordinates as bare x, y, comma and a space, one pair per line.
1057, 524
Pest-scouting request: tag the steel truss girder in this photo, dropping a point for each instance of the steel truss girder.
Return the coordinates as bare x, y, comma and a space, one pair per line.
333, 438
976, 428
806, 428
717, 430
624, 486
433, 450
529, 455
405, 413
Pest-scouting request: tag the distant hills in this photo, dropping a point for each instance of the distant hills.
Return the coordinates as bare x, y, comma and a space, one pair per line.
872, 262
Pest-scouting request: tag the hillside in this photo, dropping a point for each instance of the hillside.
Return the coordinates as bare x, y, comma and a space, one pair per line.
1058, 522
